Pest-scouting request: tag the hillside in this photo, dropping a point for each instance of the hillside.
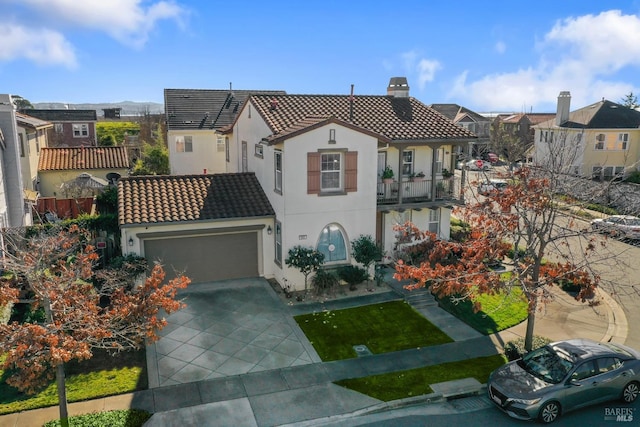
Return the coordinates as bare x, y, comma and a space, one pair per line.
129, 108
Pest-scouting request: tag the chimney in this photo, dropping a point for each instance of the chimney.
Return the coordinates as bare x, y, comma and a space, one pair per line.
398, 87
564, 103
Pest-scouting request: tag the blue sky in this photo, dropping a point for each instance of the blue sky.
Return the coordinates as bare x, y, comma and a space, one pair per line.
488, 56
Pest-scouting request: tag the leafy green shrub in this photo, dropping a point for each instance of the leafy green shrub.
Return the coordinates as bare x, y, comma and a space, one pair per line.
568, 286
25, 313
324, 281
353, 275
514, 350
603, 209
459, 230
119, 418
634, 177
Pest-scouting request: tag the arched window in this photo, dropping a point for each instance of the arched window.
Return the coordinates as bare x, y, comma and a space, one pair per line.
332, 243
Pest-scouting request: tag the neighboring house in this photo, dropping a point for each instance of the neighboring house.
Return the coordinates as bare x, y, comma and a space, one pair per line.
67, 173
601, 140
71, 128
519, 127
32, 136
15, 211
209, 227
194, 117
470, 120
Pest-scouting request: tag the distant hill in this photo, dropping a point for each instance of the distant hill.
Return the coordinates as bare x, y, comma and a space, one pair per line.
129, 108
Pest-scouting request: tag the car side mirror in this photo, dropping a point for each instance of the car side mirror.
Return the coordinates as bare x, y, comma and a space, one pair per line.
575, 382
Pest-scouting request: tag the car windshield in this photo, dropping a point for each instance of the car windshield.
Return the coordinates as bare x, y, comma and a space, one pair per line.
547, 365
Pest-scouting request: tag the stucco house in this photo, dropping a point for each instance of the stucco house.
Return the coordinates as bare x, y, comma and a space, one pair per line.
32, 137
194, 117
71, 128
15, 211
73, 172
601, 140
313, 165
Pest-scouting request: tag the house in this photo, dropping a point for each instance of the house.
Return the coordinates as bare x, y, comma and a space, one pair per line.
601, 140
194, 117
78, 172
15, 211
71, 128
32, 136
210, 227
470, 120
513, 134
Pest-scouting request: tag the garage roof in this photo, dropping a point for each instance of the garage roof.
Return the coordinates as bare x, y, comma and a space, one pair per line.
180, 198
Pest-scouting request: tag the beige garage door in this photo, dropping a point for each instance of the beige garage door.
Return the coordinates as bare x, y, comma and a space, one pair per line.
206, 258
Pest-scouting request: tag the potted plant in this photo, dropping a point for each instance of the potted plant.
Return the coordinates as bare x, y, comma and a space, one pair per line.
387, 175
446, 173
417, 176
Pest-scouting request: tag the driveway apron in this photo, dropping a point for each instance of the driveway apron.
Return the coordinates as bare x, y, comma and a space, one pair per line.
228, 328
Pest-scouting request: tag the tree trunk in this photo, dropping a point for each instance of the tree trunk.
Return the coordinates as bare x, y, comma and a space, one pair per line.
531, 320
62, 396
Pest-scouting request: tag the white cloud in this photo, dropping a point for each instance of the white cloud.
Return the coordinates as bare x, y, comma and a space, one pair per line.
42, 46
128, 21
424, 68
500, 47
579, 54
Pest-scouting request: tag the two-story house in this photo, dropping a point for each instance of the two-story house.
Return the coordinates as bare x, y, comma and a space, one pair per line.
32, 137
15, 211
512, 135
194, 117
470, 120
71, 128
601, 140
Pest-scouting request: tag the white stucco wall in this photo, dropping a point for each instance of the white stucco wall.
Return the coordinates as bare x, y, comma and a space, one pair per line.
205, 154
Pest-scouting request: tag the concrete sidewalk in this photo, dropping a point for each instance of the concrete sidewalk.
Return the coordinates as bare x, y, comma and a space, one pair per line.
299, 394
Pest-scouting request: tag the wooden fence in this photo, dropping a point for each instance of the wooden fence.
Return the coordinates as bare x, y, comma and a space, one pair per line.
64, 208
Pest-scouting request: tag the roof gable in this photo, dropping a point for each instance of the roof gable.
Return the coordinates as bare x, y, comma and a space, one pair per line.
83, 158
178, 198
204, 108
394, 119
25, 120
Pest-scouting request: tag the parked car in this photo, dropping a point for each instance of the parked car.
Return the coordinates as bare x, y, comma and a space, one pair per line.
490, 185
623, 226
475, 165
491, 158
563, 376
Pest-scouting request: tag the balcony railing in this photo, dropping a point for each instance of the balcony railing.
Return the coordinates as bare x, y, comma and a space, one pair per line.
419, 191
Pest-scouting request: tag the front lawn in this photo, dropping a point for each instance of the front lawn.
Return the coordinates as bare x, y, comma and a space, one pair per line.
383, 328
498, 312
415, 382
103, 375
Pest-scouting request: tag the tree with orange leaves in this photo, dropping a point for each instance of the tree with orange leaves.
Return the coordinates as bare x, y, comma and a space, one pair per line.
522, 227
84, 309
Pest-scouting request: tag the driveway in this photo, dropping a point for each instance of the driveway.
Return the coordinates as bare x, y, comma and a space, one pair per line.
228, 328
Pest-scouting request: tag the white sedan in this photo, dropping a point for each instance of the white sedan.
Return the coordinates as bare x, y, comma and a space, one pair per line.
476, 165
623, 226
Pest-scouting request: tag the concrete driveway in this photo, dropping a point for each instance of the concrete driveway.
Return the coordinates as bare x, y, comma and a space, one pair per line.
228, 328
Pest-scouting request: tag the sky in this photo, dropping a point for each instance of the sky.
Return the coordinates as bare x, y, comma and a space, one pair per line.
495, 56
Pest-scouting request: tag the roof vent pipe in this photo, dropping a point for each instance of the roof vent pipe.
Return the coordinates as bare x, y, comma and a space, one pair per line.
351, 105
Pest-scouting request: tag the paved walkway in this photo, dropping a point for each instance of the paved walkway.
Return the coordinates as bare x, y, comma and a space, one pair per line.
298, 393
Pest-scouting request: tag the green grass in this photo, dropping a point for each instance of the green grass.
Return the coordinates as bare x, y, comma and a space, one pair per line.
498, 312
383, 328
118, 418
103, 375
415, 382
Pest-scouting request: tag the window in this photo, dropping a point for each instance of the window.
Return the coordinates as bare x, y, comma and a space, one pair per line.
583, 371
607, 364
407, 162
184, 144
278, 242
623, 141
596, 172
58, 127
332, 244
258, 150
331, 172
220, 144
277, 167
600, 138
21, 143
80, 130
434, 221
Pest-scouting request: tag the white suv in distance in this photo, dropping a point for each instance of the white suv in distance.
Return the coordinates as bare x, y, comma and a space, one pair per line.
490, 185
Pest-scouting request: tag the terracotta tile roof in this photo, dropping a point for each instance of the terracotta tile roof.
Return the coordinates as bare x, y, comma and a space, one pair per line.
62, 115
394, 119
83, 158
176, 198
204, 108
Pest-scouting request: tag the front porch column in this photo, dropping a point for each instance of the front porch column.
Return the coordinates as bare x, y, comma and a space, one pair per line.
434, 186
400, 186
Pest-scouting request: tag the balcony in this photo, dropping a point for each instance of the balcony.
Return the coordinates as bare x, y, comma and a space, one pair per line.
423, 193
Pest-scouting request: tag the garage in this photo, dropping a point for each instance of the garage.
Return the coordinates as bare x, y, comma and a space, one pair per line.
206, 258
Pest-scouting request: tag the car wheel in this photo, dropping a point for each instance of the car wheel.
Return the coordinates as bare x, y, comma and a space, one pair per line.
630, 392
549, 413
